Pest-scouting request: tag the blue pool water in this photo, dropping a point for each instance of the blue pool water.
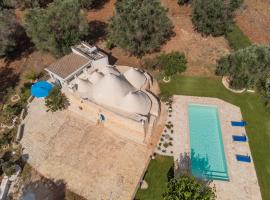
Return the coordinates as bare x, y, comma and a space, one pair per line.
207, 151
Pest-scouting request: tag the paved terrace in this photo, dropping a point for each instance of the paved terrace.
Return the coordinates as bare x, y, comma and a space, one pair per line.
243, 184
94, 162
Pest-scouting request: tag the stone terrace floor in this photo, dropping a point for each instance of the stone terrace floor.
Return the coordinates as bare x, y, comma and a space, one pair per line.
90, 159
243, 183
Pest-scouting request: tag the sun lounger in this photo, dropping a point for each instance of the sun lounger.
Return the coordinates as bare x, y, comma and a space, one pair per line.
235, 123
239, 138
243, 158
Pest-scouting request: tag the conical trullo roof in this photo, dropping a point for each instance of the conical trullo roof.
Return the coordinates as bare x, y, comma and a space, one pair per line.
111, 89
136, 102
135, 77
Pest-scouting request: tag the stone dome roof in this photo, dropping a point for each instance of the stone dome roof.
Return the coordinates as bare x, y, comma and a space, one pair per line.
136, 102
135, 77
111, 89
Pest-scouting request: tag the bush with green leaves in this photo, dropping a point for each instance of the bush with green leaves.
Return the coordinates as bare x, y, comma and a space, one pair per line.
56, 100
57, 27
139, 26
172, 63
211, 17
187, 187
9, 168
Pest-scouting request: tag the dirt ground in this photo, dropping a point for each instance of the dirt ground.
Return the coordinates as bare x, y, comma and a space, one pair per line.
201, 52
254, 20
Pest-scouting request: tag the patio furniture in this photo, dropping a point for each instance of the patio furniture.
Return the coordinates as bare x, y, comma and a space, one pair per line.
236, 123
239, 138
243, 158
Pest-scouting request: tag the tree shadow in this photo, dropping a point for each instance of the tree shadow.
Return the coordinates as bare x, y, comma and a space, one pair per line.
44, 188
170, 173
194, 164
97, 31
49, 189
98, 4
8, 79
24, 46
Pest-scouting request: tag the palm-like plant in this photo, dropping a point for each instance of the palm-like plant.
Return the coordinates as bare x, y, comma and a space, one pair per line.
56, 100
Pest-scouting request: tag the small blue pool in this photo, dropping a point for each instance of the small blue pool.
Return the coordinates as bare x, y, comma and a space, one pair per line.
41, 89
208, 159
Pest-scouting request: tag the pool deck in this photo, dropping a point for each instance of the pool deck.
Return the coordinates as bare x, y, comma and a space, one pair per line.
243, 183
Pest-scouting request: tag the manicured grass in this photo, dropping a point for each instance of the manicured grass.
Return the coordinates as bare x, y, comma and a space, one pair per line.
156, 176
253, 111
237, 39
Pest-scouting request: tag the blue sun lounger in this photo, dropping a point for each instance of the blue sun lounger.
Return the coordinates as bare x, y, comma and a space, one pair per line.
242, 123
243, 158
239, 138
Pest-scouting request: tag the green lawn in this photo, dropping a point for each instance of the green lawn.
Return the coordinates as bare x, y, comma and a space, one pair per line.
157, 178
237, 39
253, 112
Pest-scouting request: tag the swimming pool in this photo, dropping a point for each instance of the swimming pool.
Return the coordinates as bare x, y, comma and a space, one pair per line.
207, 151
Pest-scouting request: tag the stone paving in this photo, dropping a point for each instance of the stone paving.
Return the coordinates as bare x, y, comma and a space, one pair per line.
243, 183
94, 162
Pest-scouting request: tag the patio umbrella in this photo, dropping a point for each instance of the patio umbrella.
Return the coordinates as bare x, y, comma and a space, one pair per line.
41, 89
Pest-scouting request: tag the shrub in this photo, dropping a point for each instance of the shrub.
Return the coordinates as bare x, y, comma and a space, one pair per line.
139, 26
165, 96
9, 168
56, 100
31, 75
172, 63
236, 38
166, 144
211, 17
188, 188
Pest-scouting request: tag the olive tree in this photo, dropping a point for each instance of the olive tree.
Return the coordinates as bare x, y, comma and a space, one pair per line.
57, 27
139, 26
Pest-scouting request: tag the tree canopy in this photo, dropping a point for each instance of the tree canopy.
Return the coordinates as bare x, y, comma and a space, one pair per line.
211, 17
246, 67
139, 26
34, 3
188, 188
57, 27
172, 63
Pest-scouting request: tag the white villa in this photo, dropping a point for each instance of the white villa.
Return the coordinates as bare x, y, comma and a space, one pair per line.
120, 95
